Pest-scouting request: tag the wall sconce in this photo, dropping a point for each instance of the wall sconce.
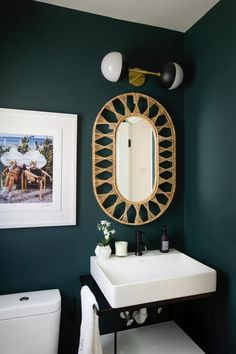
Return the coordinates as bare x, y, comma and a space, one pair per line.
114, 68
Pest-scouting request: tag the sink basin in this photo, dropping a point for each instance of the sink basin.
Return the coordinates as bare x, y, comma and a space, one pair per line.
155, 276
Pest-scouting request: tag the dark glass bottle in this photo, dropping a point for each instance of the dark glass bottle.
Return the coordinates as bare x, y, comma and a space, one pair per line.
164, 246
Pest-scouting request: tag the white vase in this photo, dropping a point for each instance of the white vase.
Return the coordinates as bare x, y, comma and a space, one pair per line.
102, 252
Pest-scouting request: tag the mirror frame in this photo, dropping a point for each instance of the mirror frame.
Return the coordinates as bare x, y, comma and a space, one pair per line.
165, 165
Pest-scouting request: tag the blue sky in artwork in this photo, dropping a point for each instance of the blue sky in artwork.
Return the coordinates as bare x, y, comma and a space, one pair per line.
15, 139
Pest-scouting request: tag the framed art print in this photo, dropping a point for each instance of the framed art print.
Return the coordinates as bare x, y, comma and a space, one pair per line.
38, 152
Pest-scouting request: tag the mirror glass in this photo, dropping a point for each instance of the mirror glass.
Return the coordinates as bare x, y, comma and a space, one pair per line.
135, 159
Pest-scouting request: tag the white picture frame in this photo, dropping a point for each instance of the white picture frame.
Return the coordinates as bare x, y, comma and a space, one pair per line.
61, 210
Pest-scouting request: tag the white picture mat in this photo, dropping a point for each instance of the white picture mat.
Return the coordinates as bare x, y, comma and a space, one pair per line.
63, 128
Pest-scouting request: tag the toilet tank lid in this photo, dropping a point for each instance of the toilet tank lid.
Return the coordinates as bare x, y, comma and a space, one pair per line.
29, 303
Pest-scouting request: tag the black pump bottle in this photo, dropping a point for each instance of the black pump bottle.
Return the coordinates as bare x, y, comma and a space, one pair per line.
164, 246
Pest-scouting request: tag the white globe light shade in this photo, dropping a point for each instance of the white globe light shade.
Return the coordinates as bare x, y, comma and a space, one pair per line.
112, 66
179, 75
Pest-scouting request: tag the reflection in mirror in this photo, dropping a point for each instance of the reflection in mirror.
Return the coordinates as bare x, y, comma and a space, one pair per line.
135, 159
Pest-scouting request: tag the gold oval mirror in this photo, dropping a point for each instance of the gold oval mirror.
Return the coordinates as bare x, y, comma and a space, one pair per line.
134, 159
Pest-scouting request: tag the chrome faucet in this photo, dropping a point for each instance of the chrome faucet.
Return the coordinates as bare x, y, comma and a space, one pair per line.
139, 243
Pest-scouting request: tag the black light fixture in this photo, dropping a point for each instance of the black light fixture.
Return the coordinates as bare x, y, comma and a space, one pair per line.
114, 68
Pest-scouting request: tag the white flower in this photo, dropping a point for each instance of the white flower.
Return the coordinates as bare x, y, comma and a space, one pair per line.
104, 226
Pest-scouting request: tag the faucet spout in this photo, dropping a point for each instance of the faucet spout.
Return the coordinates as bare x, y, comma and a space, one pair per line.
138, 243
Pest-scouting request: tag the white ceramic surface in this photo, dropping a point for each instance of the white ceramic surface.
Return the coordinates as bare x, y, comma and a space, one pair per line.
102, 253
30, 322
152, 277
161, 338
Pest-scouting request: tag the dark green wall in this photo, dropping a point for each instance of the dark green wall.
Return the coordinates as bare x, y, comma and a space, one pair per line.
50, 61
210, 170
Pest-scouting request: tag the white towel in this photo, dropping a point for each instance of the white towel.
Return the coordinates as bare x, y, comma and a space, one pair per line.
90, 342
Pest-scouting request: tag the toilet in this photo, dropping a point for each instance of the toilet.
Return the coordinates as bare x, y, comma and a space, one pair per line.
29, 322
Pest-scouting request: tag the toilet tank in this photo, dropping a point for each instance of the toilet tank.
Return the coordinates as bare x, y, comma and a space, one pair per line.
29, 322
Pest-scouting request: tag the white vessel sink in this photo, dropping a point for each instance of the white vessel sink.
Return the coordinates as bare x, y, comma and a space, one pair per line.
152, 277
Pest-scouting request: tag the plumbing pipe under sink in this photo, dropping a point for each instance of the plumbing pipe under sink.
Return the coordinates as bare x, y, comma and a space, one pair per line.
140, 316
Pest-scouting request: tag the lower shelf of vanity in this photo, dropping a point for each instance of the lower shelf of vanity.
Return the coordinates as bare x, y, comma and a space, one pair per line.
161, 338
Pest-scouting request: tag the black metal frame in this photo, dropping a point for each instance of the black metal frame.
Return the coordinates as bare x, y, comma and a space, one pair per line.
99, 312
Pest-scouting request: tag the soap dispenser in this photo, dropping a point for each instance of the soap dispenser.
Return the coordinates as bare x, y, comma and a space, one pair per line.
164, 246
